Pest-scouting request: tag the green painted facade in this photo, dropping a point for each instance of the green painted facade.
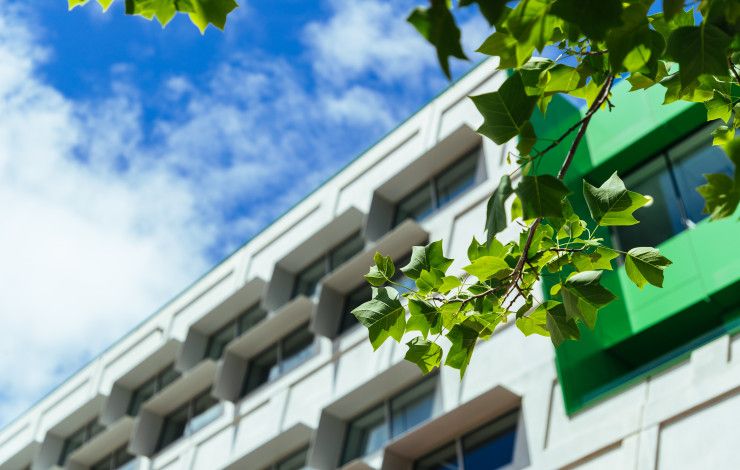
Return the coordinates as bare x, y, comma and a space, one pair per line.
646, 330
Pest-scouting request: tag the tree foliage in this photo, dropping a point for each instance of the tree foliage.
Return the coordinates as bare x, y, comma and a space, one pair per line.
571, 47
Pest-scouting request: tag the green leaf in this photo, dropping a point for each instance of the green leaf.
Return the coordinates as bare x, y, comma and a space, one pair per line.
562, 79
463, 337
201, 12
428, 281
424, 317
531, 24
425, 354
583, 295
645, 265
541, 196
671, 8
105, 4
437, 25
611, 203
511, 53
383, 316
593, 17
505, 112
496, 208
721, 195
486, 267
633, 46
428, 258
699, 50
536, 322
449, 283
600, 259
492, 10
560, 326
382, 272
491, 248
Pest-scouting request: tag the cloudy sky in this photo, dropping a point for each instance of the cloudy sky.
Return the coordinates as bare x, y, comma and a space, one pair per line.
132, 159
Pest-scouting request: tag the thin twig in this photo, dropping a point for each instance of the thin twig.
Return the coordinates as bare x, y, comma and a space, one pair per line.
733, 69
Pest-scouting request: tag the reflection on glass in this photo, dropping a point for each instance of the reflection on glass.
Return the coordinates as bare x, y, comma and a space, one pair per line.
262, 369
297, 348
173, 427
346, 250
690, 170
456, 179
412, 407
366, 434
416, 205
205, 410
443, 459
492, 446
307, 280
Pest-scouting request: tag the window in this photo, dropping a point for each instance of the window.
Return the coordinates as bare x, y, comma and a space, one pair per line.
296, 461
308, 279
218, 341
400, 278
78, 438
189, 418
280, 358
370, 431
115, 461
353, 300
671, 180
447, 185
151, 387
487, 448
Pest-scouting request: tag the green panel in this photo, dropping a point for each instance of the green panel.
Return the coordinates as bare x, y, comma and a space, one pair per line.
644, 331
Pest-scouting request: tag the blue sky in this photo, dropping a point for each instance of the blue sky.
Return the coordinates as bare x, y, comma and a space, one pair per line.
132, 158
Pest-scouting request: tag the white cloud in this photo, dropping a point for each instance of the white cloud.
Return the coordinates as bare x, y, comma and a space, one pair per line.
368, 36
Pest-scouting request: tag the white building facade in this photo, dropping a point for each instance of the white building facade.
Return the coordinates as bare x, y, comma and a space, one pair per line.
258, 364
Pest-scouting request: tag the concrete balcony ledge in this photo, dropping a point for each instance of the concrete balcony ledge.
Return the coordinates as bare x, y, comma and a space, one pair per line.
274, 449
112, 438
182, 389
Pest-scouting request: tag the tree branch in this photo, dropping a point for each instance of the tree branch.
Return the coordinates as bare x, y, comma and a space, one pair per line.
733, 69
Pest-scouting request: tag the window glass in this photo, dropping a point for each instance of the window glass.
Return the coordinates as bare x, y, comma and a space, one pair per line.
142, 394
94, 429
218, 341
205, 410
174, 427
443, 459
690, 169
412, 407
492, 446
294, 462
416, 205
456, 179
72, 443
346, 250
261, 369
250, 318
107, 463
308, 279
353, 300
167, 376
659, 220
297, 348
122, 457
366, 434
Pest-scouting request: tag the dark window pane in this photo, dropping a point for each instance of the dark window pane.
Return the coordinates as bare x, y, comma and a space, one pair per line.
107, 463
297, 348
346, 250
142, 394
661, 219
307, 280
413, 407
491, 446
218, 340
294, 462
366, 434
457, 178
250, 318
167, 376
353, 300
94, 429
173, 427
72, 443
205, 410
261, 369
416, 205
442, 459
690, 169
122, 457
